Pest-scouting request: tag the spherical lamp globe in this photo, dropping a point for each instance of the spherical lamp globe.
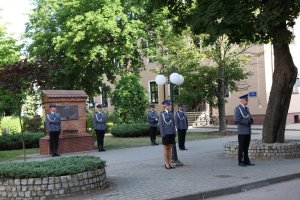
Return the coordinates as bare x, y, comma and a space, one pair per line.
181, 80
175, 78
160, 79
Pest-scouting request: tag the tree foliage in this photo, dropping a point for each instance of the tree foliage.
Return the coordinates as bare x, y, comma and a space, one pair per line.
86, 40
198, 63
9, 50
130, 99
249, 21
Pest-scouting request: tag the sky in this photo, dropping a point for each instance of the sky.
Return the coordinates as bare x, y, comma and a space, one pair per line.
14, 13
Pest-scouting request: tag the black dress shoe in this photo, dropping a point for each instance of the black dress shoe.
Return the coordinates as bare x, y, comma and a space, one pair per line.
103, 150
242, 165
156, 143
250, 164
56, 154
53, 155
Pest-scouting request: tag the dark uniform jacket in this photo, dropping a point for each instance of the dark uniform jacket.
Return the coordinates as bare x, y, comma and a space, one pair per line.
243, 119
166, 123
152, 119
99, 121
181, 120
53, 122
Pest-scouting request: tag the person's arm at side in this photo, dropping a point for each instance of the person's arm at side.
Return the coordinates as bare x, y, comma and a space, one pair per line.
47, 123
161, 126
239, 118
176, 119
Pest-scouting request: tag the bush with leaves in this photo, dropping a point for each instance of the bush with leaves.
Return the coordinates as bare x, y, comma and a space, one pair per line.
130, 99
131, 130
49, 168
32, 124
11, 123
14, 141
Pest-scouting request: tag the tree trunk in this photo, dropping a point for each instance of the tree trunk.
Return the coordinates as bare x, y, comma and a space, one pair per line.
284, 77
221, 99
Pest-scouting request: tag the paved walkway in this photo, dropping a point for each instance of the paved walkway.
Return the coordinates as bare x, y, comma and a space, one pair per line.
137, 173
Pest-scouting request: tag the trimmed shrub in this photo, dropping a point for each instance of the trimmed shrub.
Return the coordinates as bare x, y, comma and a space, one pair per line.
32, 124
131, 130
52, 167
14, 141
12, 123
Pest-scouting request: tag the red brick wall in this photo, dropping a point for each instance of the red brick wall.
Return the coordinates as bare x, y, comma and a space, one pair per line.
78, 141
79, 124
68, 144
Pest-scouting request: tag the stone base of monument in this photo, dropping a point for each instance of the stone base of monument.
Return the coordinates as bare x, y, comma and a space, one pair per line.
263, 151
68, 143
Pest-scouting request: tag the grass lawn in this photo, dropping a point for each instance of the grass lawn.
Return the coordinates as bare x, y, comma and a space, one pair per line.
16, 154
111, 142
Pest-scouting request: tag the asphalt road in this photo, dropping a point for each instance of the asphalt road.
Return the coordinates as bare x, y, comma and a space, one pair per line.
289, 190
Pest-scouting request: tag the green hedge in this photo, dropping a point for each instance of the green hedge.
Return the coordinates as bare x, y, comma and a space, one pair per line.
131, 130
14, 141
53, 167
12, 123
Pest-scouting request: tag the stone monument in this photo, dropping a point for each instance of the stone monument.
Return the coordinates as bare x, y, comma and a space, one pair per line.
71, 105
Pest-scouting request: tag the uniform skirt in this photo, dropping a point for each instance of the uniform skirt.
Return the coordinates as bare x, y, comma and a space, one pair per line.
168, 139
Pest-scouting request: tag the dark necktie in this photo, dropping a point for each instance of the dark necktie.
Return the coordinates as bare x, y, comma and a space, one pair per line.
246, 109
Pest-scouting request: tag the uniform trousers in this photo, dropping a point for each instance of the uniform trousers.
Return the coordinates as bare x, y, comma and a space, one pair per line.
244, 141
153, 134
181, 138
54, 137
100, 138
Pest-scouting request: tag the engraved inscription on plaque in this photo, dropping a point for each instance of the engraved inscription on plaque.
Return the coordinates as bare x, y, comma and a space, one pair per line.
69, 112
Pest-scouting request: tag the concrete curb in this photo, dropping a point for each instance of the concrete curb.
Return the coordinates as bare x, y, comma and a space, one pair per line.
232, 128
237, 189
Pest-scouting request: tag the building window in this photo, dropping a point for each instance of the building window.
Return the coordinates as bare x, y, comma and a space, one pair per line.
153, 92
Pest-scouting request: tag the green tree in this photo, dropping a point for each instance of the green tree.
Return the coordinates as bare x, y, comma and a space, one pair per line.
9, 54
255, 22
209, 70
130, 99
84, 40
16, 89
228, 60
9, 50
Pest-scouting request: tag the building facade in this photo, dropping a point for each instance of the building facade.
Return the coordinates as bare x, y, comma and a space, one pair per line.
258, 85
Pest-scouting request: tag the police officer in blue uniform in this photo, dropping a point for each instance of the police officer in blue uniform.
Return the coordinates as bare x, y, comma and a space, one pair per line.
152, 120
244, 120
181, 122
53, 127
167, 132
99, 125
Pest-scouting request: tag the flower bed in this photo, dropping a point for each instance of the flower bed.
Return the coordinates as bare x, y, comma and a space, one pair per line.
17, 185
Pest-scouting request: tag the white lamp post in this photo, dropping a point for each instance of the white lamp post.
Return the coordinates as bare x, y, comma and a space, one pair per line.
177, 79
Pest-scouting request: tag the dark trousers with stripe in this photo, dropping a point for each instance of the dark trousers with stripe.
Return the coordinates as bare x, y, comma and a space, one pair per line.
100, 138
153, 134
54, 137
181, 138
244, 141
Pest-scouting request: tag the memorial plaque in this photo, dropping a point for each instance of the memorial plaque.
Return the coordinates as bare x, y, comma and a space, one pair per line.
69, 112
